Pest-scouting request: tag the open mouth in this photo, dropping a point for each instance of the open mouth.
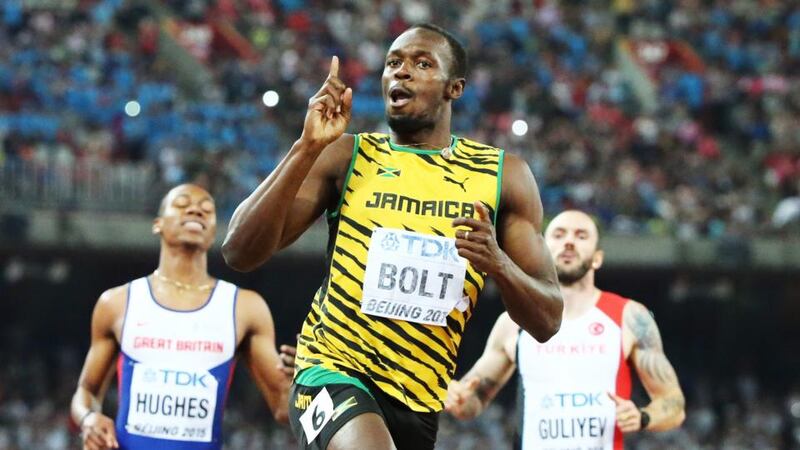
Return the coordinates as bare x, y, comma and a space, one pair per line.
193, 225
399, 96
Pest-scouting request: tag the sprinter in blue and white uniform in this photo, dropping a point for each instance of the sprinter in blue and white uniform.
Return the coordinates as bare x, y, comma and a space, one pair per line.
176, 335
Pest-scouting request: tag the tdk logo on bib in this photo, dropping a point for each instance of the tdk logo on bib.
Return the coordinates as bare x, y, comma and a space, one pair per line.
179, 378
420, 246
572, 400
412, 276
176, 377
390, 243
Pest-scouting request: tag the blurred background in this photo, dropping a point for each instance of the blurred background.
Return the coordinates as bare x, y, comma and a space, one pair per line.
676, 123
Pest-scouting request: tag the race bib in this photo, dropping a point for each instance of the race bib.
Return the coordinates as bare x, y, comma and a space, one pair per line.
568, 419
412, 276
169, 403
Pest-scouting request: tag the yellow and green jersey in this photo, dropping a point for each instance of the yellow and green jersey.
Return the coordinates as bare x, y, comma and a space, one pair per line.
407, 190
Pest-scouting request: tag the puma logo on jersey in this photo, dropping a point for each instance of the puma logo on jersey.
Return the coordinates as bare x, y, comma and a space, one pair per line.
344, 406
459, 183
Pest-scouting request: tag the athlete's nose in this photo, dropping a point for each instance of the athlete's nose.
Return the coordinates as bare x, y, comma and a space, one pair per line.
402, 72
195, 209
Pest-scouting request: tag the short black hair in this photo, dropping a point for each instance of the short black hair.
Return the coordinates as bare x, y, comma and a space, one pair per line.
457, 51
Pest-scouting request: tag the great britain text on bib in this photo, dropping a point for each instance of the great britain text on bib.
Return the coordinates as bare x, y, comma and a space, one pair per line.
412, 276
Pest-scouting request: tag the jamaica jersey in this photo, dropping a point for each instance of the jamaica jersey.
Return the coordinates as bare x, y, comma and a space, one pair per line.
396, 298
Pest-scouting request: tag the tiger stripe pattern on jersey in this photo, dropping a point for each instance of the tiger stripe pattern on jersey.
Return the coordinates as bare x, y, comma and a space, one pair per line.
391, 186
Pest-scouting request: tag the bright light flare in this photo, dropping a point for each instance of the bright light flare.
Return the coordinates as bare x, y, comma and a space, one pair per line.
270, 99
519, 127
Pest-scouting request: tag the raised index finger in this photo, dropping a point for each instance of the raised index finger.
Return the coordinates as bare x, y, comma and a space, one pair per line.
483, 211
334, 73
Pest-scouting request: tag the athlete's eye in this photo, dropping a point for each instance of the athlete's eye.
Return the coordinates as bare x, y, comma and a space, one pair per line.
393, 63
181, 201
423, 64
207, 206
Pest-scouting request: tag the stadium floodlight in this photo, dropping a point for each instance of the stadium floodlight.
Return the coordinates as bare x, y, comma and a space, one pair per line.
794, 408
270, 98
519, 127
133, 108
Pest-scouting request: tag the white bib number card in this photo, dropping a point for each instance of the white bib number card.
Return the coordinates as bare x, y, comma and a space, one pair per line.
169, 403
412, 276
317, 415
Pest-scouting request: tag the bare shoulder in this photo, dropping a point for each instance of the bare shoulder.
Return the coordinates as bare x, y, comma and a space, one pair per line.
113, 301
109, 311
635, 311
514, 164
506, 327
505, 331
505, 335
250, 301
520, 194
517, 176
637, 318
252, 310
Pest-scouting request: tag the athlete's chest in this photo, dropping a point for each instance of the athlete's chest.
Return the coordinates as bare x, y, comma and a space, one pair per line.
174, 339
580, 349
406, 186
153, 332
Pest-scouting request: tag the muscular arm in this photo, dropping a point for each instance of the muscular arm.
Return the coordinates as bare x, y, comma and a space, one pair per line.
666, 408
468, 397
99, 359
98, 366
258, 349
527, 278
285, 204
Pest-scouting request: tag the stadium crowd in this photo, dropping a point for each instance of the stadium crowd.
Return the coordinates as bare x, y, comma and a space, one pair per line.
715, 155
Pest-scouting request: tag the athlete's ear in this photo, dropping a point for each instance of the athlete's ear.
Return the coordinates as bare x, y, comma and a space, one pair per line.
455, 88
157, 222
597, 259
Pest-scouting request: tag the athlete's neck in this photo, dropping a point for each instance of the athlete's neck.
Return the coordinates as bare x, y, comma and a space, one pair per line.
188, 265
579, 296
434, 138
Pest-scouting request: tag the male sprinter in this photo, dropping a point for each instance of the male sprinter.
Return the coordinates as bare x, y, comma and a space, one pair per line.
576, 387
178, 333
418, 218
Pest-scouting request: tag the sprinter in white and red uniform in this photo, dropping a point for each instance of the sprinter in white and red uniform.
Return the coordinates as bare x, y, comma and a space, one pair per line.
176, 335
575, 388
